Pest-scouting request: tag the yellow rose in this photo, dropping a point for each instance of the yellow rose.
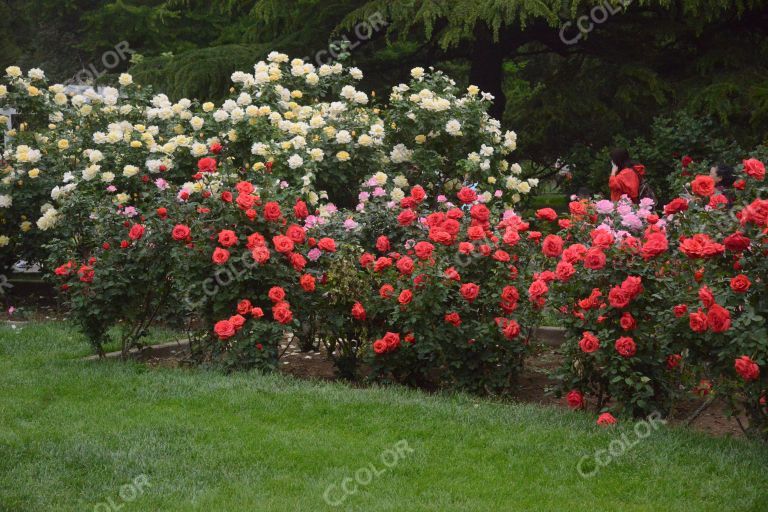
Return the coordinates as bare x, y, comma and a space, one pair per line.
342, 156
421, 139
34, 173
135, 144
63, 144
26, 226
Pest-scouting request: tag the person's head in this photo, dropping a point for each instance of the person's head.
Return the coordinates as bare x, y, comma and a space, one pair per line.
723, 175
620, 158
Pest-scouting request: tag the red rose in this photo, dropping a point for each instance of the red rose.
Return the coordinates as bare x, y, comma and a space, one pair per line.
589, 342
206, 164
227, 238
740, 284
475, 233
654, 244
703, 185
680, 310
673, 361
424, 250
618, 297
226, 196
386, 291
276, 294
224, 329
677, 205
405, 297
244, 307
756, 213
740, 184
686, 161
243, 187
626, 347
564, 271
547, 214
272, 211
575, 399
358, 312
382, 263
754, 168
220, 256
257, 312
606, 419
238, 321
480, 212
405, 265
382, 244
307, 282
601, 238
282, 244
260, 254
216, 148
282, 313
736, 242
296, 234
552, 247
537, 290
453, 318
300, 209
327, 244
407, 217
466, 195
418, 193
747, 368
469, 291
594, 258
698, 321
718, 318
510, 329
180, 232
627, 322
577, 208
379, 346
162, 212
136, 232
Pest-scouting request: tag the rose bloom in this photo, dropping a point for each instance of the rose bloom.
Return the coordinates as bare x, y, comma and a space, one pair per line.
677, 205
680, 310
260, 254
257, 312
700, 245
575, 399
698, 321
747, 368
626, 347
754, 168
282, 244
618, 297
480, 212
407, 217
547, 214
718, 318
227, 238
382, 263
386, 291
756, 213
589, 343
224, 329
296, 234
327, 244
276, 294
180, 232
475, 233
703, 185
606, 419
736, 242
564, 271
392, 339
627, 322
244, 307
405, 265
136, 232
300, 209
466, 195
574, 253
424, 250
537, 289
510, 329
382, 244
405, 297
673, 361
740, 284
307, 282
358, 311
654, 244
379, 346
272, 211
706, 296
633, 285
453, 318
552, 247
418, 193
220, 256
577, 208
237, 320
470, 291
594, 259
601, 238
282, 314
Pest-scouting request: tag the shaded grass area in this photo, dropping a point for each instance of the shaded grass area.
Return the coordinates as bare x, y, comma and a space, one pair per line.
73, 432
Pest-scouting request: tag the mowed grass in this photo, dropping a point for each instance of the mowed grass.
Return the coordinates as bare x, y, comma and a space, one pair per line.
74, 433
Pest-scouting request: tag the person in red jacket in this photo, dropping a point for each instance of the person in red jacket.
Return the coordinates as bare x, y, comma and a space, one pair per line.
625, 176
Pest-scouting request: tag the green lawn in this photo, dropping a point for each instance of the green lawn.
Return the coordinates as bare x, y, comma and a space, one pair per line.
73, 434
